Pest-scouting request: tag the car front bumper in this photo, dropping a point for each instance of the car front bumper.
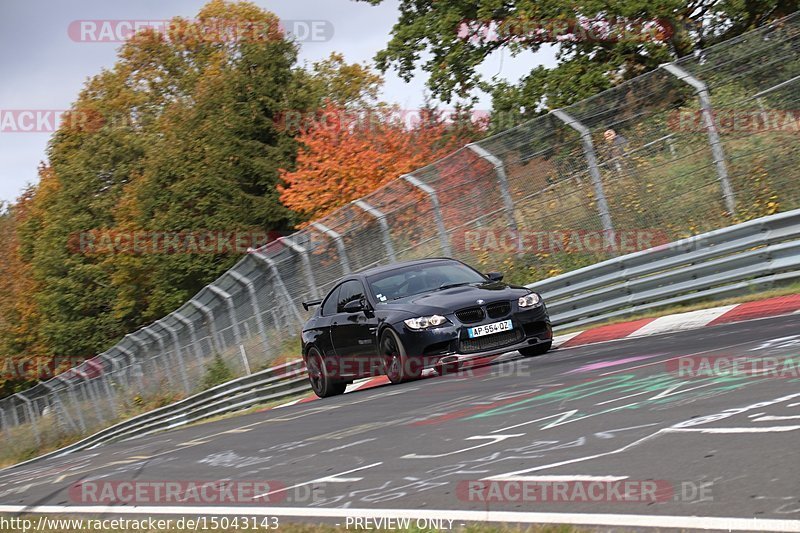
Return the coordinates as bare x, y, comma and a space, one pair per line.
451, 344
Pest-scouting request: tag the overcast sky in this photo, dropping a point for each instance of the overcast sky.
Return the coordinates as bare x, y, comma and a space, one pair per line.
44, 68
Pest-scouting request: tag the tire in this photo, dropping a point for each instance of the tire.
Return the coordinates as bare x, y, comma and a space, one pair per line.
396, 363
322, 383
539, 349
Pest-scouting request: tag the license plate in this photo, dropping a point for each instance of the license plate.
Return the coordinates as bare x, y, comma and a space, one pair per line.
488, 329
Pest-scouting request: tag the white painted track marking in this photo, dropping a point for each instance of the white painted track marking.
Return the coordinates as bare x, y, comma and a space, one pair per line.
772, 429
555, 478
333, 478
619, 520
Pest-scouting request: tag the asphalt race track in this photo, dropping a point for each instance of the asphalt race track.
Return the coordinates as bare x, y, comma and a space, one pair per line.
713, 446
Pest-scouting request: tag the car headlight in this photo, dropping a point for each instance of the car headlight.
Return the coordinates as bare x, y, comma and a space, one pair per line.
422, 322
530, 300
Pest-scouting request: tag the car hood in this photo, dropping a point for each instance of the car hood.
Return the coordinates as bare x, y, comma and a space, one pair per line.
448, 300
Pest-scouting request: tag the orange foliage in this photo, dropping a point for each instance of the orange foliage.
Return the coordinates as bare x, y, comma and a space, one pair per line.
345, 156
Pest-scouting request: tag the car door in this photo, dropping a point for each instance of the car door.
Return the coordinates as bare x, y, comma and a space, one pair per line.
353, 334
327, 313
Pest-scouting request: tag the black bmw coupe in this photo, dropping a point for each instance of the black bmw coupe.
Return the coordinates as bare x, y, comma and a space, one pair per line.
403, 318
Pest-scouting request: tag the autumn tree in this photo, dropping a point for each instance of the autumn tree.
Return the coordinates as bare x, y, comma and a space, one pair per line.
346, 155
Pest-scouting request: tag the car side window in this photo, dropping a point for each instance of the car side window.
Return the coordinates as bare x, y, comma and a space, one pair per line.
329, 305
350, 291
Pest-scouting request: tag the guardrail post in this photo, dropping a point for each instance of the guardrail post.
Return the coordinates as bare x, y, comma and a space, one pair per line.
309, 272
34, 421
502, 179
437, 210
387, 237
174, 334
276, 276
711, 128
247, 283
192, 334
594, 173
212, 327
337, 238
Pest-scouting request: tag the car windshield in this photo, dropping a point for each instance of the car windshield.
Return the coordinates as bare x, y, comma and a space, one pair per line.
417, 279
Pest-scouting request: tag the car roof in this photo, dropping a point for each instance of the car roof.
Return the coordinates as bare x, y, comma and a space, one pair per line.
387, 268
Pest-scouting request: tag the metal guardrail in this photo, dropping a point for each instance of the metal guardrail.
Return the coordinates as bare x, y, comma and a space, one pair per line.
713, 265
271, 384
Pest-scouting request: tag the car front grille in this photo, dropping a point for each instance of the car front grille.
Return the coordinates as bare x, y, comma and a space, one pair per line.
498, 310
467, 316
490, 342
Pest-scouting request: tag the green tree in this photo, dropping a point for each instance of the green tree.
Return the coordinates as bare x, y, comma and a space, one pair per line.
449, 39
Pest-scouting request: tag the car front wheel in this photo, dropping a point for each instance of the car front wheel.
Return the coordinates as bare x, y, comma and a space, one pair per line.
397, 366
322, 383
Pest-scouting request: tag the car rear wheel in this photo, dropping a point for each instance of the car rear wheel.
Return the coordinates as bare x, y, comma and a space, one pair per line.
539, 349
322, 383
396, 363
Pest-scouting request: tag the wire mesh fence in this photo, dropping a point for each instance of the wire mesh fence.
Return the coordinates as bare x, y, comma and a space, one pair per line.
695, 145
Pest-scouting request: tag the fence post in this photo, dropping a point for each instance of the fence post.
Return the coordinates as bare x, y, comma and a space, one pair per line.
281, 286
437, 210
57, 406
337, 238
34, 422
6, 427
387, 238
711, 128
78, 408
109, 386
141, 344
174, 334
309, 272
594, 172
502, 179
247, 283
102, 377
131, 362
192, 334
92, 393
228, 298
212, 327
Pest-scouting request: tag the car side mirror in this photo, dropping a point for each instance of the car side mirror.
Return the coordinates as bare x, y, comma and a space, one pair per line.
495, 276
354, 306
